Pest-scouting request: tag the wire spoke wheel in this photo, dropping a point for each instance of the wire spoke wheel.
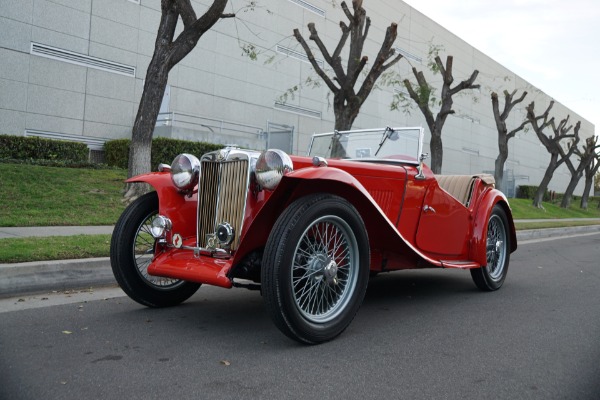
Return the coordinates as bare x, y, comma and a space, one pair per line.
323, 279
315, 268
492, 276
132, 249
496, 247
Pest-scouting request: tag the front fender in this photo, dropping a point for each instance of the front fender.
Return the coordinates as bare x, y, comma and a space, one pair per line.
484, 211
179, 207
383, 235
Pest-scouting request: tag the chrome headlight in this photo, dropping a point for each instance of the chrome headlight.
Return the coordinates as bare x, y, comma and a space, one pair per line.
159, 226
271, 166
185, 171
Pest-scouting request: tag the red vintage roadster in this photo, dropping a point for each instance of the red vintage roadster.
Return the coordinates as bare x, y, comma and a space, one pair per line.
308, 231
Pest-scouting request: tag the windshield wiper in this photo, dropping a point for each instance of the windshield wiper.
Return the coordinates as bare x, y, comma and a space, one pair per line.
387, 133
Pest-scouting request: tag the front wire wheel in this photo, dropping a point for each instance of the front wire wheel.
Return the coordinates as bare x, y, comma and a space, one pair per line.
492, 276
131, 252
316, 268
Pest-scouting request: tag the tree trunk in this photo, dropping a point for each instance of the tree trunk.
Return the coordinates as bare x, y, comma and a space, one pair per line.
344, 118
589, 182
140, 150
566, 200
437, 152
539, 195
499, 166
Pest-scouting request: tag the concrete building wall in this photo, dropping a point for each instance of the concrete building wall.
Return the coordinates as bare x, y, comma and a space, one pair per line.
217, 93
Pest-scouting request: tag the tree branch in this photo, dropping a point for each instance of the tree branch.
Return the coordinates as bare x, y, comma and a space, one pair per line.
468, 84
313, 62
186, 12
347, 11
342, 42
335, 63
187, 39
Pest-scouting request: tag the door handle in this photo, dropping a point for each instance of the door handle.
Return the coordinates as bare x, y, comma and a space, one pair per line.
428, 208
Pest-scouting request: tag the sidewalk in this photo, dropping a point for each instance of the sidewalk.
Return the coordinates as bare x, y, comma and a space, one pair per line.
44, 276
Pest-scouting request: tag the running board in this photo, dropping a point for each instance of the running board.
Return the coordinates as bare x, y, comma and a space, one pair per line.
460, 264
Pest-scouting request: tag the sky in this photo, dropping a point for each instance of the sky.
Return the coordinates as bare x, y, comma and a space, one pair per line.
553, 44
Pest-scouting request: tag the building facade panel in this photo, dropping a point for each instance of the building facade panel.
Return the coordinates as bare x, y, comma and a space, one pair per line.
81, 5
14, 35
110, 85
14, 65
55, 102
114, 34
13, 95
13, 122
62, 18
58, 75
54, 124
23, 13
109, 111
122, 12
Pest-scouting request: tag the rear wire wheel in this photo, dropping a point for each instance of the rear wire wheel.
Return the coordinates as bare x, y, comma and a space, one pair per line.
316, 268
131, 252
492, 276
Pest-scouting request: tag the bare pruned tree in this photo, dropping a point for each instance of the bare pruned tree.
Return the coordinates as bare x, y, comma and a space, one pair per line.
503, 134
347, 101
589, 163
552, 144
168, 51
586, 155
422, 96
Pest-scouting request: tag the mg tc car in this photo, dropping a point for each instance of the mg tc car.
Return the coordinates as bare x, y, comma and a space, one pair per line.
308, 231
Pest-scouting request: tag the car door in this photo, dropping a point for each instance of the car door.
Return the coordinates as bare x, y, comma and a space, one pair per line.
444, 224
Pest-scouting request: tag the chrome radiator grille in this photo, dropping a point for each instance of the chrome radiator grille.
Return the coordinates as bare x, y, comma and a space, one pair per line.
222, 192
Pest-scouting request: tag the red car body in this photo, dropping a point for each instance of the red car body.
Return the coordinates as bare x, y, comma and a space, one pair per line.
412, 219
402, 233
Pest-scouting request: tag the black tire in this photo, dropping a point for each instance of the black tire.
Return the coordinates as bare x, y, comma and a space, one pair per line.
131, 251
492, 276
315, 268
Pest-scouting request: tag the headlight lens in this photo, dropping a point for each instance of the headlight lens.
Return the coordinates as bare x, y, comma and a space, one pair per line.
185, 171
159, 226
271, 166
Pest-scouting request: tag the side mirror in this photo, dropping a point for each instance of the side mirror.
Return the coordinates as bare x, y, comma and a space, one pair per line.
423, 157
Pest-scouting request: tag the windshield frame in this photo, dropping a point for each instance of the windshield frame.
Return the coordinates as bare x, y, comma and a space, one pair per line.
414, 161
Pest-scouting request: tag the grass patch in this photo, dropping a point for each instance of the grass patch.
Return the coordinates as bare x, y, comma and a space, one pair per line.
54, 248
33, 195
522, 209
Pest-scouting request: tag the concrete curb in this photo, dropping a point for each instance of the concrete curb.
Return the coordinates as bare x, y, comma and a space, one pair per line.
530, 234
38, 277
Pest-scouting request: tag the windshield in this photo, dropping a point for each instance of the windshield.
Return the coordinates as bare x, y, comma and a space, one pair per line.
369, 143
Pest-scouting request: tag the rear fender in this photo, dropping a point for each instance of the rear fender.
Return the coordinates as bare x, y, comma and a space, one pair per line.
180, 208
482, 215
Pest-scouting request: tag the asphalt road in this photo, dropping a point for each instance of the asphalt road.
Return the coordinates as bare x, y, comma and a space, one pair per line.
419, 335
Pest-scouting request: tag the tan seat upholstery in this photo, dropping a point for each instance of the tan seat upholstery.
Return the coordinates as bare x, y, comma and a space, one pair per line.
461, 186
